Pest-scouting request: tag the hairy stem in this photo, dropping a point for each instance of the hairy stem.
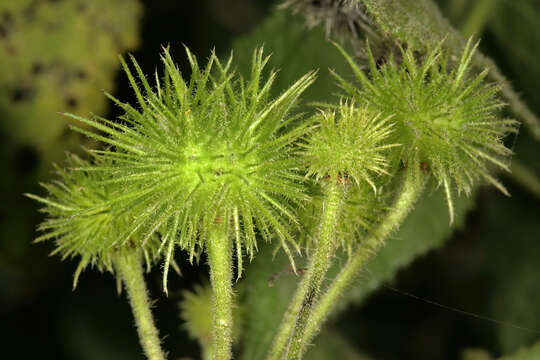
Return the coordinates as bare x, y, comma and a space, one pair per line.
477, 17
411, 189
525, 177
295, 320
456, 9
130, 269
219, 250
206, 353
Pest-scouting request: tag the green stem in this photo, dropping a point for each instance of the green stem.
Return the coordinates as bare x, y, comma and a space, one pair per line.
525, 177
129, 267
518, 106
478, 17
456, 9
219, 250
412, 187
206, 355
206, 352
295, 320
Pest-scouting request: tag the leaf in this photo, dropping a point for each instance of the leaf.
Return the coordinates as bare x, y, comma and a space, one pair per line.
59, 55
294, 51
475, 354
518, 49
197, 318
510, 240
332, 345
530, 353
263, 303
425, 229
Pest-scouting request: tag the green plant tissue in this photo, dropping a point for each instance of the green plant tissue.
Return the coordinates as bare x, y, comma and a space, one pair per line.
54, 55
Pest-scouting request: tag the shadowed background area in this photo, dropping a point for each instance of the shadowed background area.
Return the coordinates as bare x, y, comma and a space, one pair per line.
58, 56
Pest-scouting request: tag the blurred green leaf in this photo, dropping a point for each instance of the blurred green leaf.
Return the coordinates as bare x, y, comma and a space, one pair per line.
58, 54
531, 353
294, 50
197, 318
519, 50
476, 354
331, 345
55, 56
426, 228
510, 239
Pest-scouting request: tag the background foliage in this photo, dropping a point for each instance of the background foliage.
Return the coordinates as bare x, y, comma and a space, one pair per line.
57, 55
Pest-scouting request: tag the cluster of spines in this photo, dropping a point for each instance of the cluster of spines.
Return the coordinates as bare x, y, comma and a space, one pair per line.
213, 149
348, 146
445, 117
349, 143
82, 222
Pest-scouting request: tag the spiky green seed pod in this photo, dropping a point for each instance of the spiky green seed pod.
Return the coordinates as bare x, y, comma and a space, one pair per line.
82, 223
349, 147
349, 144
446, 118
214, 149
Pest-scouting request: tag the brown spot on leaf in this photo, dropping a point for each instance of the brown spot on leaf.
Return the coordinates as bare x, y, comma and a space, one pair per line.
71, 102
6, 24
22, 93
